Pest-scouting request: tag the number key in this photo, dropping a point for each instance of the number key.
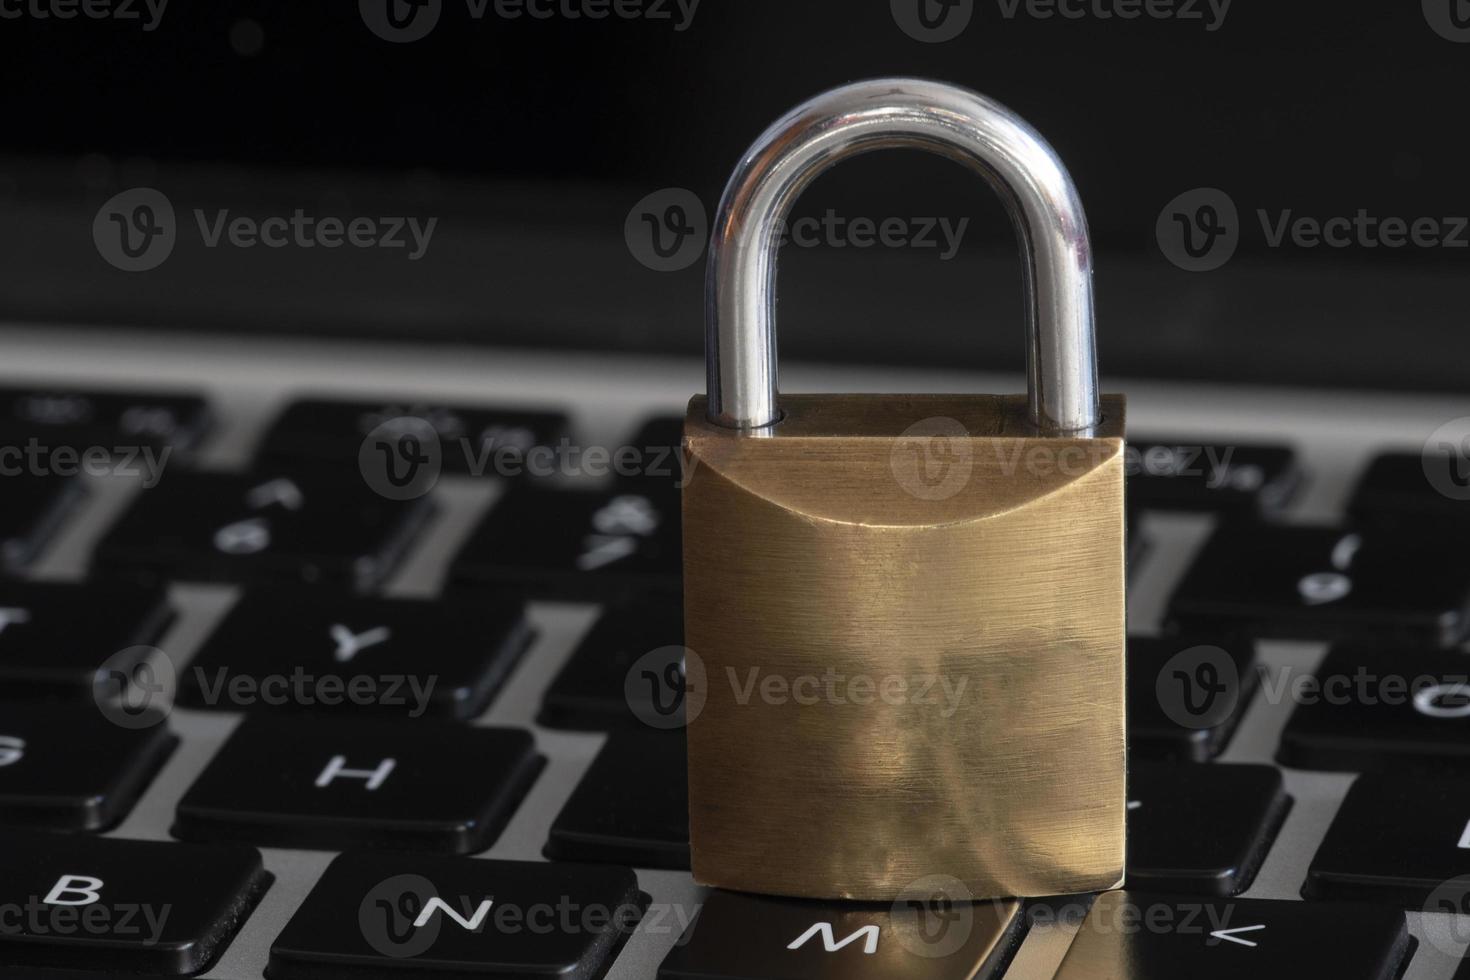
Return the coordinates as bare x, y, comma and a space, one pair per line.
1184, 474
268, 526
114, 420
1407, 489
477, 440
1324, 583
575, 544
657, 443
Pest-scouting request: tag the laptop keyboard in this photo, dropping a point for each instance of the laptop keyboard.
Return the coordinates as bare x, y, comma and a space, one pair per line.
244, 717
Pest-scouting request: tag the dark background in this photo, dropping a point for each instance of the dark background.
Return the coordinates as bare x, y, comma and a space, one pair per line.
530, 141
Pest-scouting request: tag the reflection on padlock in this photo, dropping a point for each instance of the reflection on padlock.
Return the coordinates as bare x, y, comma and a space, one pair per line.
909, 607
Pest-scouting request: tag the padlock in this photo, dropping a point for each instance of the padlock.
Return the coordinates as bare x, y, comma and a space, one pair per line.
908, 610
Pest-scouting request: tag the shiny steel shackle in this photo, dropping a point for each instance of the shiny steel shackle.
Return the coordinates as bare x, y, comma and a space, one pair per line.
740, 281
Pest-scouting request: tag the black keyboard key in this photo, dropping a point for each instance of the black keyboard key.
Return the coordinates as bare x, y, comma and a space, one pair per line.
1187, 694
121, 422
631, 807
122, 907
1201, 829
1382, 709
1324, 583
33, 507
575, 544
598, 688
56, 636
1197, 474
71, 767
1396, 838
928, 935
1137, 546
1134, 936
376, 916
292, 649
476, 440
1410, 489
333, 785
268, 526
656, 446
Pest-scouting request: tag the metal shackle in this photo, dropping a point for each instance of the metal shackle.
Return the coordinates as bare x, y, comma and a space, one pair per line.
740, 281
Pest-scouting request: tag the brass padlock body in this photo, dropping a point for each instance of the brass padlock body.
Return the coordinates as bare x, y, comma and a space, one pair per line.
811, 549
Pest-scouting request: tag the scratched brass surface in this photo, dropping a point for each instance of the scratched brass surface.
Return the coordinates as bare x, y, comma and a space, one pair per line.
906, 673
